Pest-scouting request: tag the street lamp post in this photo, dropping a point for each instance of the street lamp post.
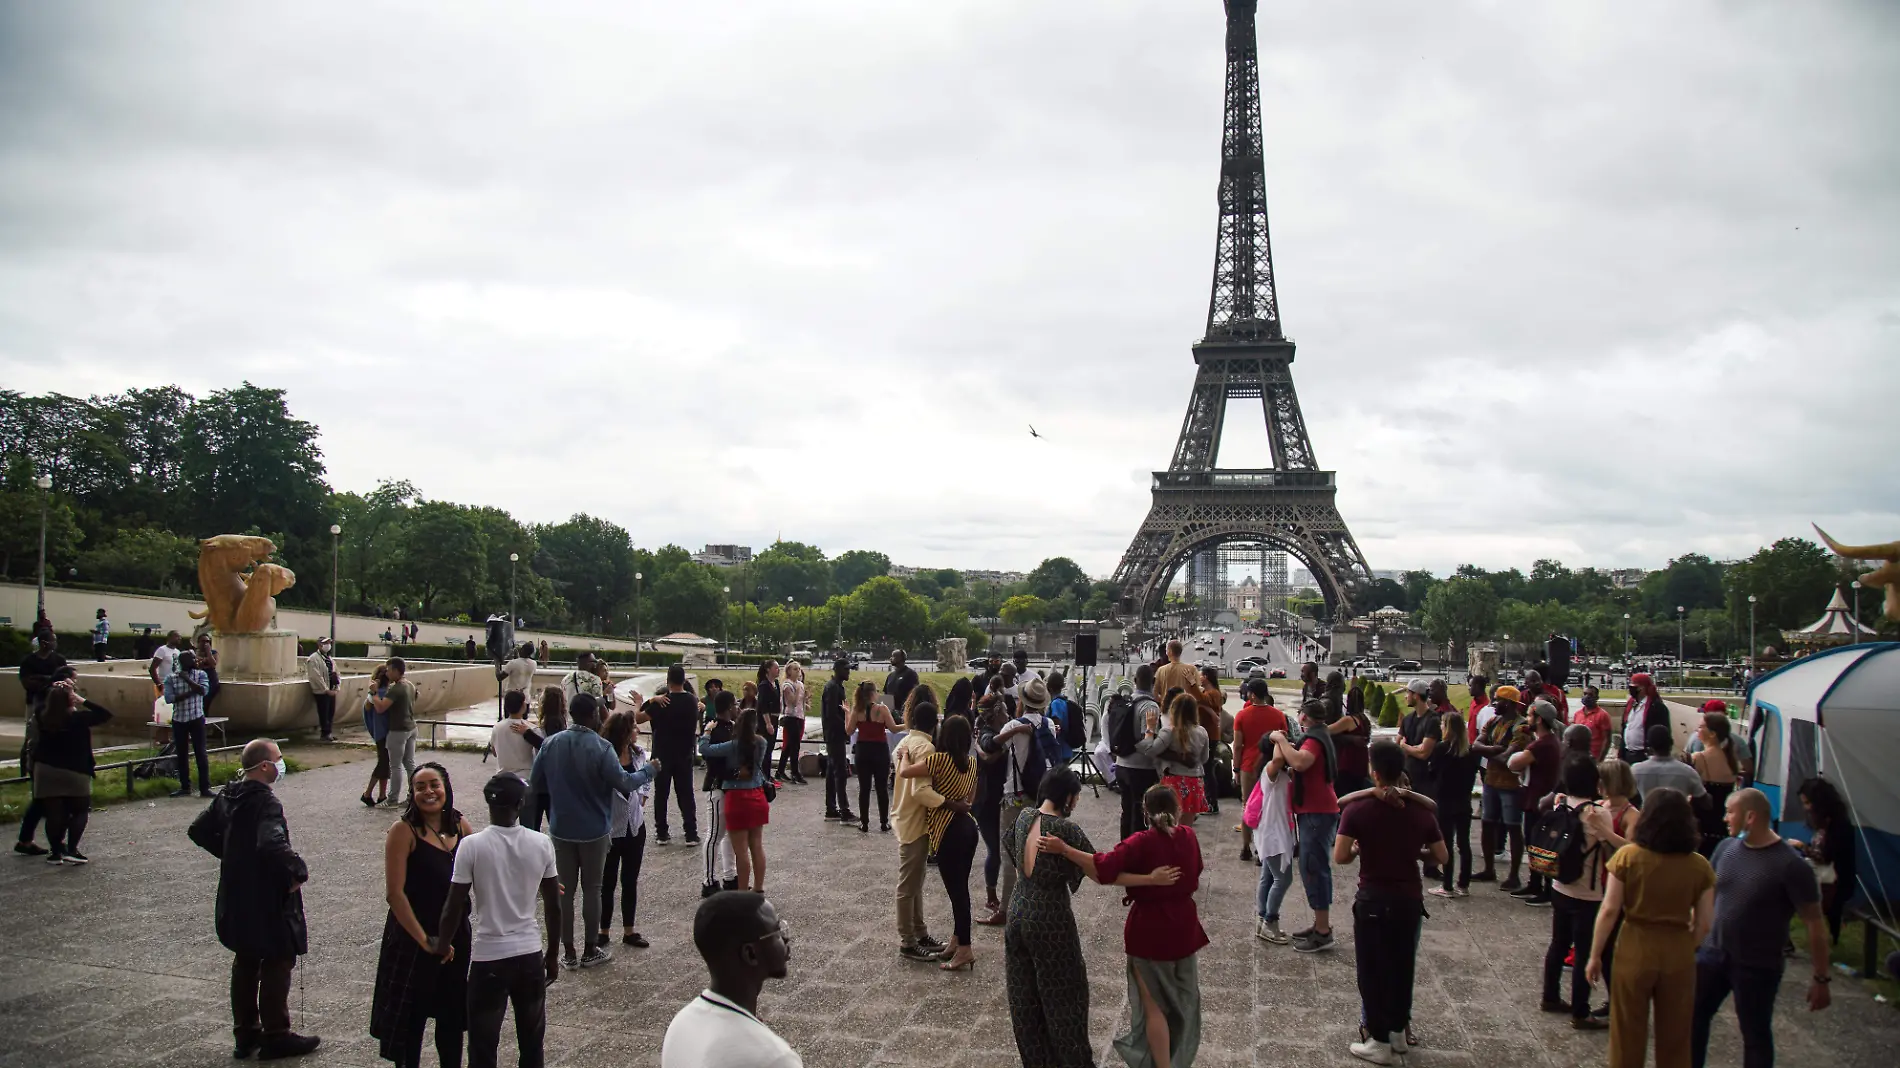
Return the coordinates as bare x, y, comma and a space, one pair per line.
45, 484
788, 626
1751, 637
1626, 636
637, 576
596, 609
1855, 619
1682, 671
336, 553
513, 619
725, 619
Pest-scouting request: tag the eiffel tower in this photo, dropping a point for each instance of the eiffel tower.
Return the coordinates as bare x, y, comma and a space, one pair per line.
1198, 505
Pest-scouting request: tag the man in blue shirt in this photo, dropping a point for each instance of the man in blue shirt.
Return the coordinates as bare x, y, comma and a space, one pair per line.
579, 773
101, 630
185, 689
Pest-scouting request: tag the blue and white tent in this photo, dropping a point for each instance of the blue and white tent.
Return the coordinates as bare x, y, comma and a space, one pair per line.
1836, 714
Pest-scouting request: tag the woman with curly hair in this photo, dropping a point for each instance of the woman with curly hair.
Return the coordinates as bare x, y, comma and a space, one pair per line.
1829, 849
1180, 749
412, 985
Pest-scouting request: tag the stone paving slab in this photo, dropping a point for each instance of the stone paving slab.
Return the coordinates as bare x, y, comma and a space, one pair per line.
116, 963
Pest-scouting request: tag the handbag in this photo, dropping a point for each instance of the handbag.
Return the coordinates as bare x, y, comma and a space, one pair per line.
770, 791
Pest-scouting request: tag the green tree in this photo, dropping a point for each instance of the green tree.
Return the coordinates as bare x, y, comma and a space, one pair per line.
248, 461
1024, 609
20, 533
882, 610
145, 558
1056, 577
1691, 580
787, 569
1418, 585
687, 599
440, 554
1459, 610
590, 563
1383, 592
1792, 581
851, 569
370, 524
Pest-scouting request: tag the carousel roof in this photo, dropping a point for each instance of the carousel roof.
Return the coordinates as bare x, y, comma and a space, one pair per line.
1836, 621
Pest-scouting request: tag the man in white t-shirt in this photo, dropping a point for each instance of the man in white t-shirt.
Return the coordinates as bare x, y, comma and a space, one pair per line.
517, 675
744, 944
503, 866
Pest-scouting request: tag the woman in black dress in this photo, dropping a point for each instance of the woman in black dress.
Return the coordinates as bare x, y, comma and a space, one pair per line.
413, 987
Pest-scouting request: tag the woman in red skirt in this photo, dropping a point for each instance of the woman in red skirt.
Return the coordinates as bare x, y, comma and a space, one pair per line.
743, 784
1180, 750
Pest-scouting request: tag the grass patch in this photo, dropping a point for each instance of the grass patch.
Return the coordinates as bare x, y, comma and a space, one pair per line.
1848, 952
109, 787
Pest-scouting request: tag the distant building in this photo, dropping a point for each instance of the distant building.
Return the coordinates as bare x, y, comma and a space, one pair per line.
1000, 578
724, 555
1624, 578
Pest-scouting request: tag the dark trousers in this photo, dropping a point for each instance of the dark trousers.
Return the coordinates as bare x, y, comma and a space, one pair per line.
492, 985
260, 996
533, 810
1754, 990
955, 854
1386, 937
30, 819
989, 820
1454, 822
788, 755
1532, 880
448, 1043
1573, 923
623, 860
99, 651
326, 712
66, 819
768, 733
187, 735
874, 770
676, 769
1208, 785
1134, 783
837, 778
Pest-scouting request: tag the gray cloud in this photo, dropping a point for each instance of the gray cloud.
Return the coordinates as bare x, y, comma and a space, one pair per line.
1605, 283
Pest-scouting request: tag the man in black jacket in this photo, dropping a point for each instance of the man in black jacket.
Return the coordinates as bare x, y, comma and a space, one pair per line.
900, 682
260, 903
837, 745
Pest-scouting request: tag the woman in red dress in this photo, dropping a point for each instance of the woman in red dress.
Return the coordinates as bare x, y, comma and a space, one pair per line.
1162, 933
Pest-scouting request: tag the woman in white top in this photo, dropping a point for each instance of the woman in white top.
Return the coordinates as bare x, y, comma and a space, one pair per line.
791, 717
1271, 818
628, 826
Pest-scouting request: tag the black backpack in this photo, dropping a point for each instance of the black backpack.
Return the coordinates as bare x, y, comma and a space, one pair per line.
1042, 756
1122, 731
1558, 848
1074, 731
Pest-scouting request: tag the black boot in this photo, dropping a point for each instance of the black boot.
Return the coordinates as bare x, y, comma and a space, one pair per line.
288, 1044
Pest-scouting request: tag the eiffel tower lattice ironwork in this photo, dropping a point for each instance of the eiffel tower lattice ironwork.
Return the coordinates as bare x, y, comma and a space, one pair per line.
1198, 505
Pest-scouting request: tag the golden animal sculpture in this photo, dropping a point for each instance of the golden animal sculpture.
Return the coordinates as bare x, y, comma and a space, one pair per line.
1887, 574
237, 603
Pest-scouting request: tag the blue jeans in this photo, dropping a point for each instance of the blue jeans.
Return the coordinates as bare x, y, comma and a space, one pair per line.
1317, 831
1276, 878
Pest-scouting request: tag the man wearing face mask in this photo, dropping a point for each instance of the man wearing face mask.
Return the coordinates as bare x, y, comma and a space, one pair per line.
260, 903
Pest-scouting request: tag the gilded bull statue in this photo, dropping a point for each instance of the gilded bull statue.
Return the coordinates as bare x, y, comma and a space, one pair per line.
239, 583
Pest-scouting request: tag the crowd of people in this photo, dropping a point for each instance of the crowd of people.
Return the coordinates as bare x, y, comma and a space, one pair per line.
1667, 885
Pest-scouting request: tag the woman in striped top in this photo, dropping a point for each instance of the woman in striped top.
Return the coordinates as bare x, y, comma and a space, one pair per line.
953, 835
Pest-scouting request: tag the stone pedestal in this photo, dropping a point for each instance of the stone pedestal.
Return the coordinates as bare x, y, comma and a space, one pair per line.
1482, 661
953, 655
265, 656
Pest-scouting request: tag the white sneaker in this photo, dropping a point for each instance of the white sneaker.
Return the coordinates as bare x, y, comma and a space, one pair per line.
1398, 1043
1374, 1052
1261, 930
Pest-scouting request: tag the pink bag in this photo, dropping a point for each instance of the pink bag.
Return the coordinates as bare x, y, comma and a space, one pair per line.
1256, 803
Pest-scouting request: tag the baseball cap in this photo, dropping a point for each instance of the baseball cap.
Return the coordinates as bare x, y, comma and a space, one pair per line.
1547, 712
1419, 687
505, 788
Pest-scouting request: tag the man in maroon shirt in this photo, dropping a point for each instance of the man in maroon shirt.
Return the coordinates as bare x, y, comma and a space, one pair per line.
1540, 763
1390, 834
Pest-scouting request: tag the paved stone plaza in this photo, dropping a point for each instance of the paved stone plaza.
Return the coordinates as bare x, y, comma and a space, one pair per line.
116, 963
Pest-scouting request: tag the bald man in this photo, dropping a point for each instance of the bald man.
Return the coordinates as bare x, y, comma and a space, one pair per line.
1761, 882
260, 903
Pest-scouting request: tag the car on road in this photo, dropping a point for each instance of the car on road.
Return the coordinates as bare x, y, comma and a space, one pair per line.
1375, 673
1277, 673
1408, 665
1248, 663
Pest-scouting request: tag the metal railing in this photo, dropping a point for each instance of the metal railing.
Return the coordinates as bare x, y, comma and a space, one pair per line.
166, 764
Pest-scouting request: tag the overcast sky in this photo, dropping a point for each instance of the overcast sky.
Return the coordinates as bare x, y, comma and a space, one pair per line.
1605, 282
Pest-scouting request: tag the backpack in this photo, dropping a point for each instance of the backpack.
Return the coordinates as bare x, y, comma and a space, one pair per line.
1121, 725
1043, 755
1557, 847
1074, 731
